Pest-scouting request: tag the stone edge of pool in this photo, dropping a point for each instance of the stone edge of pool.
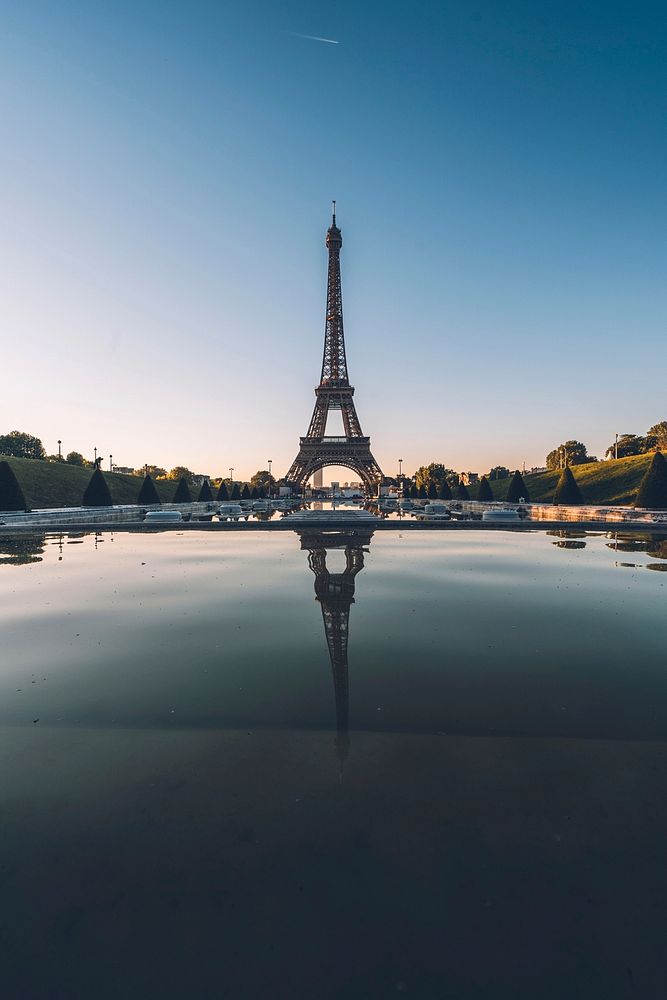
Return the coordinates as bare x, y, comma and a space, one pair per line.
337, 525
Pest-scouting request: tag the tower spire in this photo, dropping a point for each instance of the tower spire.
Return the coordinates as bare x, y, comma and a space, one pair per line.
333, 212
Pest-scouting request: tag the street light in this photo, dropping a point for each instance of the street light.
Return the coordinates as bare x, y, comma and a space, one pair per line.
616, 446
400, 468
231, 475
95, 450
270, 460
110, 463
60, 454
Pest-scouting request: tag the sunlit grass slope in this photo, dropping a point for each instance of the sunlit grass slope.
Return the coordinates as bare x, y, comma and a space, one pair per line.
56, 484
612, 482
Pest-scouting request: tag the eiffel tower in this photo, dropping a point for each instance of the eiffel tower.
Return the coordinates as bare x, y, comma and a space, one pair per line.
334, 393
335, 593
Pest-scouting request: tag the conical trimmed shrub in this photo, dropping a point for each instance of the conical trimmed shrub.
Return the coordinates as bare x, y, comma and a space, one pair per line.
182, 494
236, 492
148, 492
445, 493
97, 492
223, 493
567, 490
414, 492
485, 493
432, 491
205, 495
653, 487
422, 494
245, 492
462, 492
254, 493
11, 494
517, 489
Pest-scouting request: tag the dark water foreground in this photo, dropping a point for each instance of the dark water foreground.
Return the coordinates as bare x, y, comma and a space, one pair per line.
306, 766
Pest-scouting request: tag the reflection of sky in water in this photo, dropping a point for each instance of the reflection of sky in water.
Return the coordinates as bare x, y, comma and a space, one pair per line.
474, 632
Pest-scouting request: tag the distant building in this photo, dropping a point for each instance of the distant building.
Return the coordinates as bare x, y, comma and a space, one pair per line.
317, 479
468, 478
536, 469
124, 470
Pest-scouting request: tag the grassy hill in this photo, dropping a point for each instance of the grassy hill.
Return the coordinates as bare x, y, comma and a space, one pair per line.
612, 482
56, 484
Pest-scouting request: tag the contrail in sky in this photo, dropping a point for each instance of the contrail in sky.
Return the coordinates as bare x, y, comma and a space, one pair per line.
314, 38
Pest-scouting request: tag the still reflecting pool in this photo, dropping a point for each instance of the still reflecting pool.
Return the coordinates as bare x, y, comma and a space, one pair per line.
333, 764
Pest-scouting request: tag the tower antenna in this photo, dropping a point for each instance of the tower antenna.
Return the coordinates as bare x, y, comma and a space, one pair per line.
333, 211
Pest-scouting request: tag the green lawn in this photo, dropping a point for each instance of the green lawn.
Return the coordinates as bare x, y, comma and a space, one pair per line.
56, 484
612, 482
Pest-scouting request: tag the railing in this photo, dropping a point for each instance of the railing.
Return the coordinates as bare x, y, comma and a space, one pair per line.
581, 512
334, 440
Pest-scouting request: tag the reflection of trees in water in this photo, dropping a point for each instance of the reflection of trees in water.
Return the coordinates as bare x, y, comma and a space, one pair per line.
568, 539
18, 550
657, 548
335, 594
653, 545
661, 567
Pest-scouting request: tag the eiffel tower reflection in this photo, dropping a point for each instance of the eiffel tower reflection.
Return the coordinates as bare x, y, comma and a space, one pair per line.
335, 593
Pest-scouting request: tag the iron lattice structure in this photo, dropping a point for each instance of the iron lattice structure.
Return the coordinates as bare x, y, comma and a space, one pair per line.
316, 450
335, 594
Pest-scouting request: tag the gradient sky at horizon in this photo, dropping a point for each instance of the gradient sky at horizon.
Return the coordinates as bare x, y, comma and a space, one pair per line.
166, 173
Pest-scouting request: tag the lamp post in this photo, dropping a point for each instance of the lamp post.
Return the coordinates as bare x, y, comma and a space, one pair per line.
270, 460
616, 446
110, 463
60, 454
231, 475
400, 468
95, 450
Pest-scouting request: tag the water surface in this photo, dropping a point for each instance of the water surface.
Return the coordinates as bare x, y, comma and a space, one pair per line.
333, 765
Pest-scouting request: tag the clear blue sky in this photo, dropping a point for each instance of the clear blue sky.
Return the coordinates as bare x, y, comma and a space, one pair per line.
166, 170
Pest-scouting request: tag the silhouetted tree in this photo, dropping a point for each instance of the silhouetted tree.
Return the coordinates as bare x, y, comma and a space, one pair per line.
11, 494
97, 492
148, 492
182, 494
223, 492
254, 493
236, 492
462, 492
567, 490
569, 453
445, 492
422, 494
432, 490
181, 472
628, 444
436, 472
414, 492
653, 487
21, 445
205, 495
517, 489
656, 436
245, 492
485, 493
